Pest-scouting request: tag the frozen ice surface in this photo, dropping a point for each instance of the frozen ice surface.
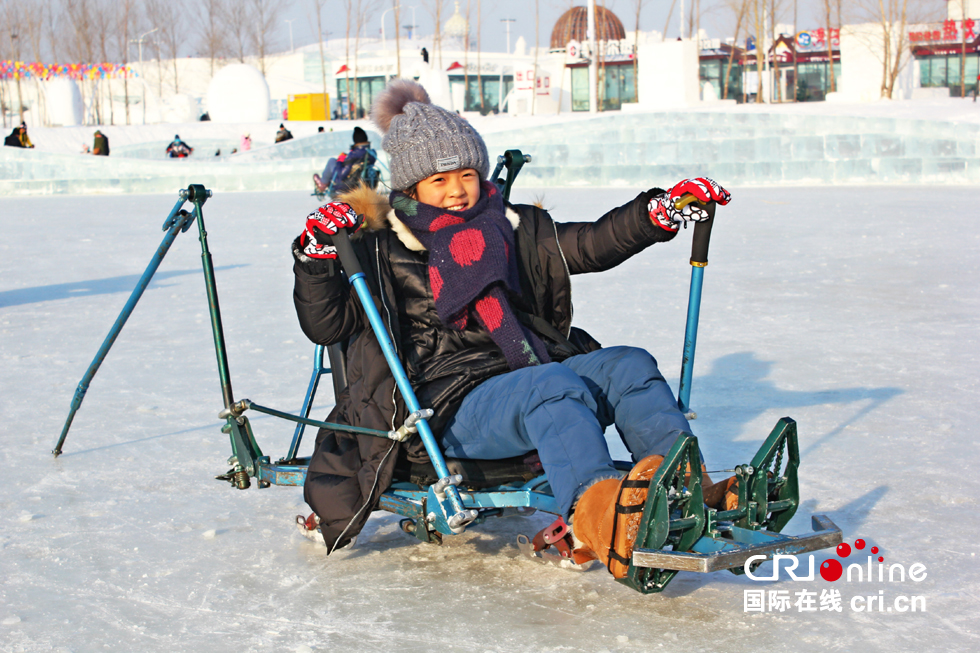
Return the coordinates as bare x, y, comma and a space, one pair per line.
853, 310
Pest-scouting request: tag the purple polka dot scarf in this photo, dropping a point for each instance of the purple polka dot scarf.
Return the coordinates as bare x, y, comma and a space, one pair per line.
472, 268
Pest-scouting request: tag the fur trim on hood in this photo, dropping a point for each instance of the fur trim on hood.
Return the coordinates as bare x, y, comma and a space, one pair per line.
378, 215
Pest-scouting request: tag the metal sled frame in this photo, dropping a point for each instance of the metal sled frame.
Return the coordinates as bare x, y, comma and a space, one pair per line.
676, 533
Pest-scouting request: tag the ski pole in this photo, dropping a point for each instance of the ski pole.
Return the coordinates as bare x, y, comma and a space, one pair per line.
355, 275
177, 222
699, 260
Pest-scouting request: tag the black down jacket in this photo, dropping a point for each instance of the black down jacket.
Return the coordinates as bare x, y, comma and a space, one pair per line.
347, 472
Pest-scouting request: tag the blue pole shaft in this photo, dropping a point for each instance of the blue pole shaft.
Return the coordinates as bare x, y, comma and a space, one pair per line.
690, 338
76, 402
318, 370
404, 386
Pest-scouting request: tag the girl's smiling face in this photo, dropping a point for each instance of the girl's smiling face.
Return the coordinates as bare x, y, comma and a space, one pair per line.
456, 190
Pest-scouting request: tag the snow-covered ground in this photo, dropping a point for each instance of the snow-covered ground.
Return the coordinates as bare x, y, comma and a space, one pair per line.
853, 310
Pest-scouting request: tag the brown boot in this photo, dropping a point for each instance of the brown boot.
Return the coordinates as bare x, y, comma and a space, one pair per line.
722, 495
597, 525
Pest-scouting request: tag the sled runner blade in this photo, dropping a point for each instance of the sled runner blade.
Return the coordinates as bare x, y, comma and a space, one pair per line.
717, 553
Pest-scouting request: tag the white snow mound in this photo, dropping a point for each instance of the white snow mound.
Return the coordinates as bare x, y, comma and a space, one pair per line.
238, 93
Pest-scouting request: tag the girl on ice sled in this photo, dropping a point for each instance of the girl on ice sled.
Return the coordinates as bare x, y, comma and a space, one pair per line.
476, 296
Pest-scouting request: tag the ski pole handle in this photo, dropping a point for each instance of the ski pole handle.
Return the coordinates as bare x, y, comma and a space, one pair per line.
702, 229
348, 259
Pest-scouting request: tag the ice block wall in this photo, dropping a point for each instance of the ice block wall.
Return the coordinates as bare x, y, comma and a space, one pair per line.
144, 167
746, 149
614, 149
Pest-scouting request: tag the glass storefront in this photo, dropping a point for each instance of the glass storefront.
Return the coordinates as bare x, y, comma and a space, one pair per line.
580, 89
713, 71
492, 94
617, 84
813, 82
944, 70
365, 90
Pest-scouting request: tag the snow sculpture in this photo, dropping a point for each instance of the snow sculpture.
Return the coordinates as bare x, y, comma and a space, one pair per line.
63, 102
238, 93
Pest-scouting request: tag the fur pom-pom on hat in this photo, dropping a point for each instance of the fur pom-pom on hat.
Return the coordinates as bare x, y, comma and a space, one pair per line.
423, 139
393, 99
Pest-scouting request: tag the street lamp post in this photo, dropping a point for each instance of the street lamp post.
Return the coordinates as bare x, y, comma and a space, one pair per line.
413, 26
290, 21
507, 22
139, 41
384, 43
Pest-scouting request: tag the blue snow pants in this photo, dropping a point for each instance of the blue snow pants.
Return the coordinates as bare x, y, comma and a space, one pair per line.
562, 410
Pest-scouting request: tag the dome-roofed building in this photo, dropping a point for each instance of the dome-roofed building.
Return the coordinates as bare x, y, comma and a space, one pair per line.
573, 25
457, 28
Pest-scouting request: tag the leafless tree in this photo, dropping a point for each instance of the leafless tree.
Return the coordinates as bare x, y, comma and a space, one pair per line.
963, 48
466, 57
104, 28
167, 15
14, 38
264, 15
398, 48
125, 16
827, 9
237, 29
434, 7
638, 4
670, 13
479, 50
318, 10
52, 22
775, 10
78, 37
740, 7
214, 40
891, 38
757, 27
537, 43
32, 26
350, 8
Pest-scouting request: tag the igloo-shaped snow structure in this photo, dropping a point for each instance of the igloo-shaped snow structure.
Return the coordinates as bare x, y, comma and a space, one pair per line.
238, 93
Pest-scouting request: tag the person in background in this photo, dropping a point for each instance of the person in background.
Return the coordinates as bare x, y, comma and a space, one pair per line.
100, 145
178, 149
319, 130
18, 137
13, 139
283, 134
338, 169
25, 141
246, 142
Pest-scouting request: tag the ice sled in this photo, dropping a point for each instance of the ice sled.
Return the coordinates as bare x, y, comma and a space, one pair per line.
677, 531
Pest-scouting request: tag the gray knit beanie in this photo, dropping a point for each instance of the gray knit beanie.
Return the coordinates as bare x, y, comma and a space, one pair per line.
422, 139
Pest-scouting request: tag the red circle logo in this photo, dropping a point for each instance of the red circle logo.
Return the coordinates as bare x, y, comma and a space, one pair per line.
831, 570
